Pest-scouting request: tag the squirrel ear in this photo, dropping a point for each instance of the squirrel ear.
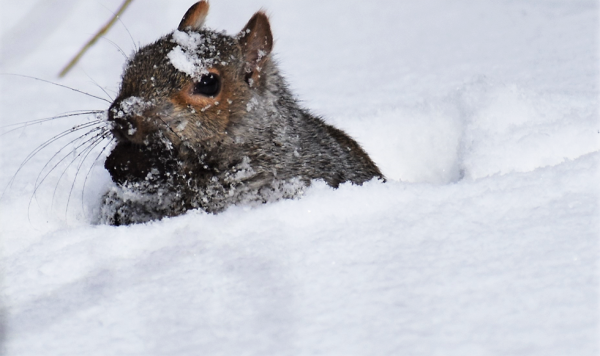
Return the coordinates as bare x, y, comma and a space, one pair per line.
195, 16
257, 42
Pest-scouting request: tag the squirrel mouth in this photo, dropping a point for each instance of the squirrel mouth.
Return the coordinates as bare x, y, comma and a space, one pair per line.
132, 162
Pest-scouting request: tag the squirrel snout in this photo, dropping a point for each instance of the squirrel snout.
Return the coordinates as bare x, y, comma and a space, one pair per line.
133, 120
134, 129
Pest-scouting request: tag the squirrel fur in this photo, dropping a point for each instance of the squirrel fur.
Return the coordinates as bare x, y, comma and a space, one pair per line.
204, 120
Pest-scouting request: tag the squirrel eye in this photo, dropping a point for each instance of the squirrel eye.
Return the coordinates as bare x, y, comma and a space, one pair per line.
209, 85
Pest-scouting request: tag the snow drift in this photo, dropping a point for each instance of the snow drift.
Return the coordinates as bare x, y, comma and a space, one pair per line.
483, 115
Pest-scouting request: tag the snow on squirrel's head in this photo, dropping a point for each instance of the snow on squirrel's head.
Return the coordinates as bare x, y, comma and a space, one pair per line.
187, 87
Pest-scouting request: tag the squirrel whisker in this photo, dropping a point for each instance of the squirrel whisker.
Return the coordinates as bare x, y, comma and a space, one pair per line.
89, 149
108, 144
56, 84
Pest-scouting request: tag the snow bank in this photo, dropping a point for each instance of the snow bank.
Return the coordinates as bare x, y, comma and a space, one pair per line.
479, 130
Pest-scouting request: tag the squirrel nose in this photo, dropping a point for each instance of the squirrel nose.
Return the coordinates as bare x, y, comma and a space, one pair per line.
133, 128
132, 119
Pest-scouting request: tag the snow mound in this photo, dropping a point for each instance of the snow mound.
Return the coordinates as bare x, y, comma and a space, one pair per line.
480, 130
483, 241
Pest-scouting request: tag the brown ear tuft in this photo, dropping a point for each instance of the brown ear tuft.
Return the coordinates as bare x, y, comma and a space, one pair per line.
257, 42
195, 16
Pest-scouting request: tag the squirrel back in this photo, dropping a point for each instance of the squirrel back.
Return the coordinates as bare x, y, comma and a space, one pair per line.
205, 120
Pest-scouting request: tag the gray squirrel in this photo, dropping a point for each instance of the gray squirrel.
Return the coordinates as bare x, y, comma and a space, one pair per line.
204, 120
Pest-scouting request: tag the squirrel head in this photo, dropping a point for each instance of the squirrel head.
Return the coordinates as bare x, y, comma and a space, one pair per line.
188, 87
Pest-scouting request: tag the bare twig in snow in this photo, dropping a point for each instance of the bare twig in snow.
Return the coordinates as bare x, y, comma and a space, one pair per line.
91, 42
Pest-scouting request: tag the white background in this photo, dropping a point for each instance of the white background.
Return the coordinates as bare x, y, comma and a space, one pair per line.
483, 115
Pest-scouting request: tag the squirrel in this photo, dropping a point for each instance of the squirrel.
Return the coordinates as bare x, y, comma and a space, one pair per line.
204, 120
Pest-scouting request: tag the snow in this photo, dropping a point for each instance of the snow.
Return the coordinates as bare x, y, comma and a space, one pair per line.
184, 57
483, 115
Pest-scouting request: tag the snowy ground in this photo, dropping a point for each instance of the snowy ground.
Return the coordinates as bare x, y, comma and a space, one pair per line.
483, 114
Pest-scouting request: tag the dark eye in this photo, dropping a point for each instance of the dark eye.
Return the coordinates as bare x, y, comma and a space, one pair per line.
209, 85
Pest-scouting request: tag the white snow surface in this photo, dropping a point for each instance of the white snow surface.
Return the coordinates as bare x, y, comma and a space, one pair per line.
483, 115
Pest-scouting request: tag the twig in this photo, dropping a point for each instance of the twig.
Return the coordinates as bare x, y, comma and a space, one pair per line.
91, 42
